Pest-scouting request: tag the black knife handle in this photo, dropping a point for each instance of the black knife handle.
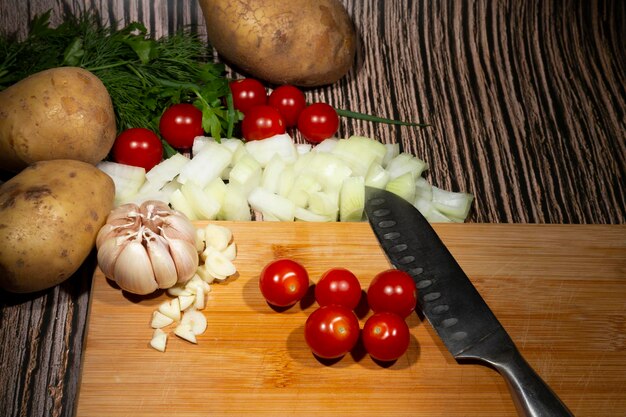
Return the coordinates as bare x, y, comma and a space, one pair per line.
531, 395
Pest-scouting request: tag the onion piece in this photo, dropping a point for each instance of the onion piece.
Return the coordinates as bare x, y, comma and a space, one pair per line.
352, 200
275, 205
207, 165
264, 150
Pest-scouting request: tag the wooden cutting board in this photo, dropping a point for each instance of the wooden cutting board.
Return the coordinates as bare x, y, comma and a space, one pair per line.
559, 290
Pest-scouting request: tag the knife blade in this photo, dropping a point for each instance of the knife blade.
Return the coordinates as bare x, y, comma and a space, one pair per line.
451, 303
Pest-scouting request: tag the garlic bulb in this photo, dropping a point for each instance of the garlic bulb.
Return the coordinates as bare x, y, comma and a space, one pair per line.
144, 248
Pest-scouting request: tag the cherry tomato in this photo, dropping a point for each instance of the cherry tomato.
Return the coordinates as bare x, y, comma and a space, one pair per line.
180, 124
317, 122
261, 122
331, 331
138, 147
283, 282
289, 101
393, 291
338, 286
386, 336
247, 93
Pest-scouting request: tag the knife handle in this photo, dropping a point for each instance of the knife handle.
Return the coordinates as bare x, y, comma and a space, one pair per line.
531, 395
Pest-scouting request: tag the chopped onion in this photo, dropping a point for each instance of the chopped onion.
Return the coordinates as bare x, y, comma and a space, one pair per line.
274, 205
264, 150
284, 181
352, 200
207, 165
204, 206
404, 186
127, 179
272, 173
246, 173
404, 163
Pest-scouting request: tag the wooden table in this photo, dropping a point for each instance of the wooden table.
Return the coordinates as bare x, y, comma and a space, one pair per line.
527, 102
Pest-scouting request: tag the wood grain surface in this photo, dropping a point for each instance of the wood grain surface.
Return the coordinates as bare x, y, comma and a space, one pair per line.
560, 298
526, 101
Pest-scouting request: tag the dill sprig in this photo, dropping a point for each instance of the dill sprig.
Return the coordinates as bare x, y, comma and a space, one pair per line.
143, 75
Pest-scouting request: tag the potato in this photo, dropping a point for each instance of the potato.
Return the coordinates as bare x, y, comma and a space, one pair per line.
61, 113
301, 42
50, 214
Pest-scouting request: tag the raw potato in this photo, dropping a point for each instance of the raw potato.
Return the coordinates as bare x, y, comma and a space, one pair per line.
301, 42
61, 113
50, 214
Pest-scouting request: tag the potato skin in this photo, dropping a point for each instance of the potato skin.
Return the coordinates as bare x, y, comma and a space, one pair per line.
301, 42
50, 214
60, 113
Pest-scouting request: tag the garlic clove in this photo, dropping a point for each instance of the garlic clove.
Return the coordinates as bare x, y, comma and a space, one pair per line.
171, 309
159, 340
200, 240
160, 320
186, 301
184, 331
200, 301
230, 252
217, 236
196, 321
203, 273
162, 263
108, 254
133, 270
185, 258
196, 283
179, 227
178, 290
219, 265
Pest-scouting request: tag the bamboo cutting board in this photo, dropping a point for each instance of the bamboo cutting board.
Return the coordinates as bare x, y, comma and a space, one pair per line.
559, 290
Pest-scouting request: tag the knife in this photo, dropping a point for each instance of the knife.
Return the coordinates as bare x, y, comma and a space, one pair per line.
451, 303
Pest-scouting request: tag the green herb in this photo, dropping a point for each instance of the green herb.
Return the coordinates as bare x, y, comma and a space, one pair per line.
376, 119
144, 76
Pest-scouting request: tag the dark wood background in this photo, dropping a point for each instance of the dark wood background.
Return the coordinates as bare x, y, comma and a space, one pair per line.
526, 101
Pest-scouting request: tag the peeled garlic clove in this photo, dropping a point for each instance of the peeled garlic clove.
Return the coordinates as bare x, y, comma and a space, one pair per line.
160, 320
159, 340
178, 290
200, 301
133, 270
186, 301
219, 265
171, 309
199, 240
162, 263
230, 252
205, 274
185, 331
217, 236
196, 282
195, 320
185, 258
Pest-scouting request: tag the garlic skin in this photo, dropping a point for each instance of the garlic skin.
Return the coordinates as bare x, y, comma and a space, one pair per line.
144, 248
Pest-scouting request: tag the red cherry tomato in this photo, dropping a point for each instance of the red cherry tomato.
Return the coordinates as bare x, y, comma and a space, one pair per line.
262, 122
138, 147
331, 331
247, 93
386, 336
393, 291
338, 286
317, 122
180, 124
283, 282
289, 101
